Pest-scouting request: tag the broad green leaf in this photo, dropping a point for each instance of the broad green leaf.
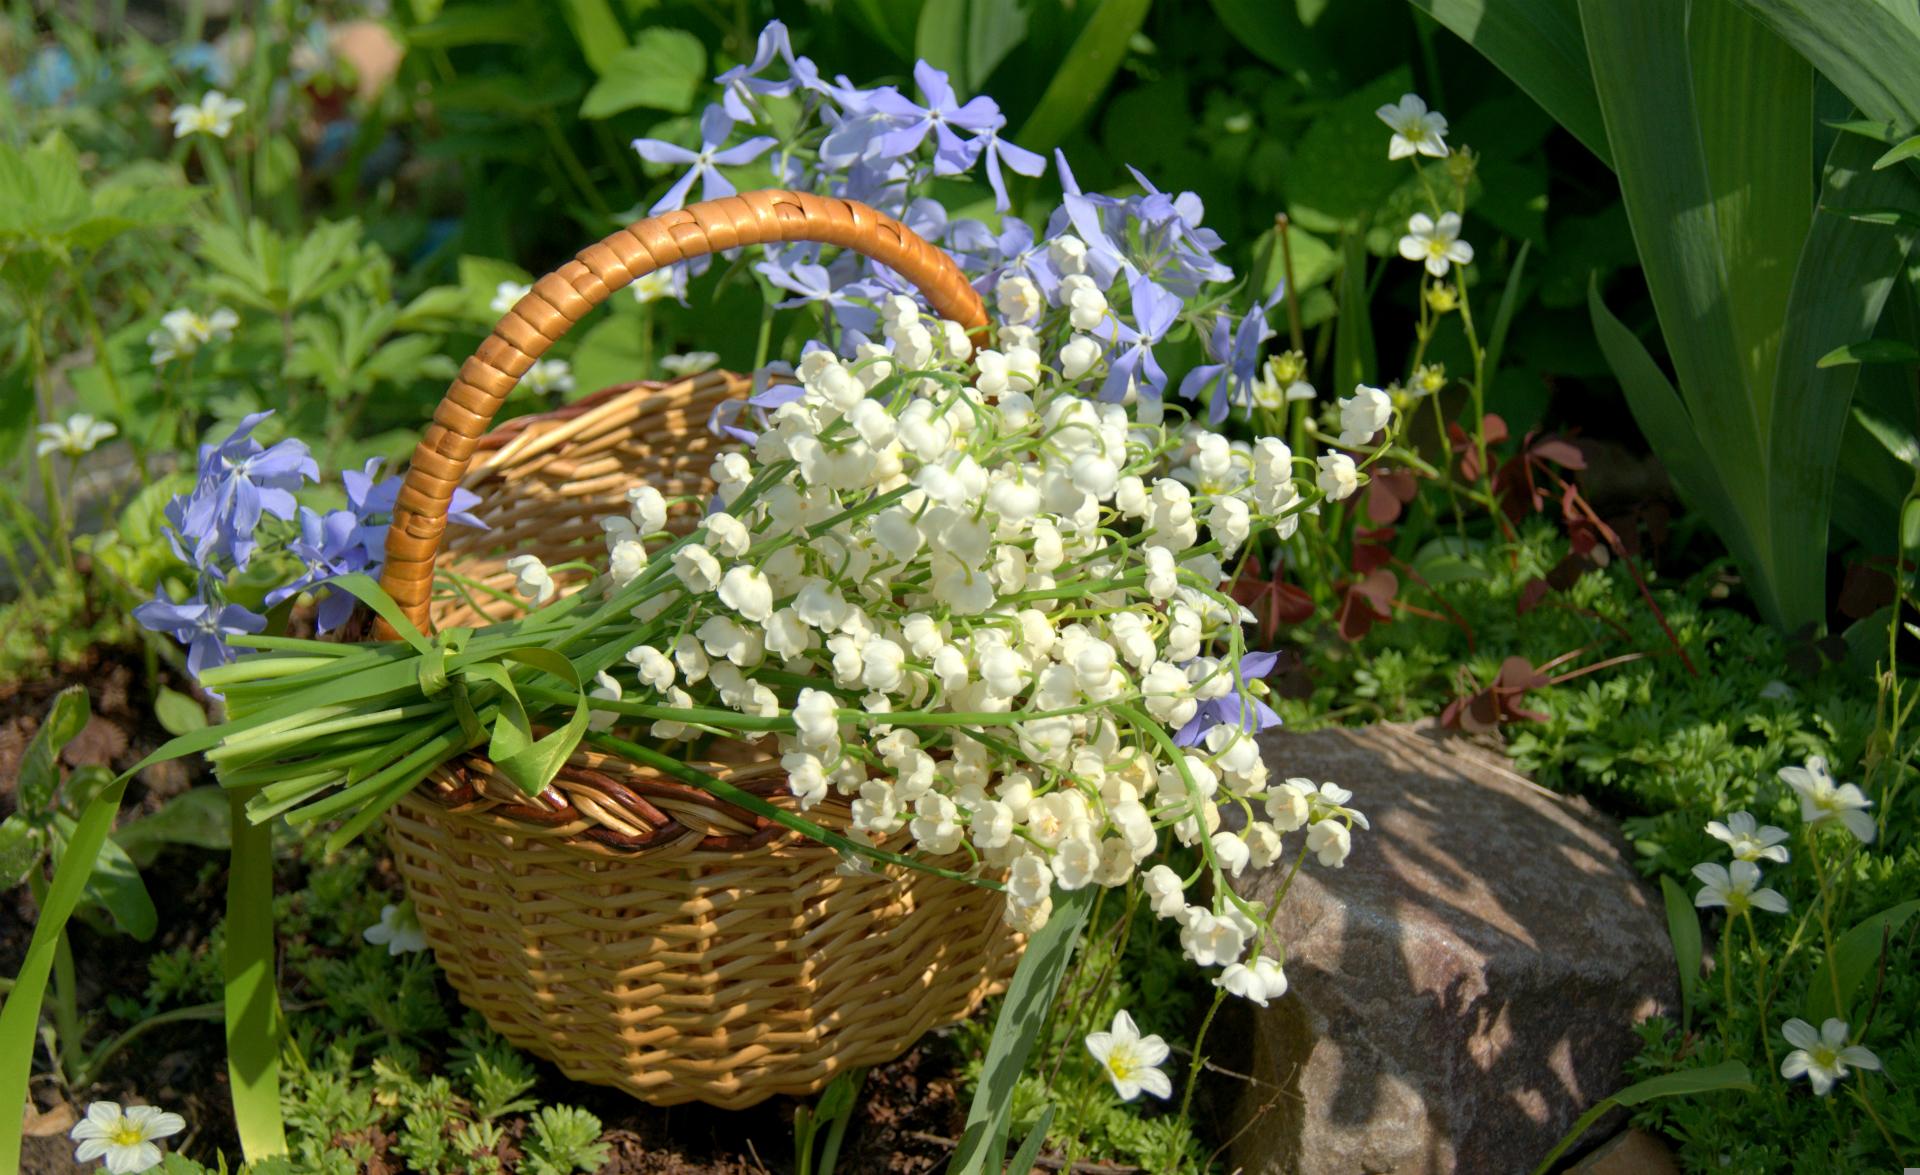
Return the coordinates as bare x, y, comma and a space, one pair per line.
891, 22
1844, 275
196, 817
117, 887
597, 31
662, 70
1340, 173
969, 38
1683, 927
1910, 526
20, 1015
1856, 955
1906, 150
513, 95
16, 411
1719, 225
1274, 32
21, 845
1709, 1079
1879, 132
1023, 1158
39, 774
255, 1024
1867, 48
1539, 44
1084, 75
1871, 351
1896, 439
1016, 1030
178, 713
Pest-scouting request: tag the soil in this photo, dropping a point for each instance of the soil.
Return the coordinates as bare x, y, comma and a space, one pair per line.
906, 1107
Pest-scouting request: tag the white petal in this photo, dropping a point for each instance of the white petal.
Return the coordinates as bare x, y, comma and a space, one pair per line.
1800, 1034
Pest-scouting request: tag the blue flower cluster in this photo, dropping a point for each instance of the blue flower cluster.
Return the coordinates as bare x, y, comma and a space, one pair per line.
1150, 251
221, 527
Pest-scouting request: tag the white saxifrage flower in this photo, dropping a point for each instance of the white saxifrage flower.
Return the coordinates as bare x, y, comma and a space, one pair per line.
183, 332
398, 930
124, 1138
76, 436
1416, 130
1132, 1061
1735, 888
1822, 1057
1749, 840
1822, 801
212, 115
1436, 243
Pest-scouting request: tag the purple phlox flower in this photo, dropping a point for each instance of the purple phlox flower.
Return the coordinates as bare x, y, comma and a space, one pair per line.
926, 217
201, 626
1172, 225
858, 131
1154, 311
811, 282
743, 83
997, 152
369, 500
1013, 252
1237, 356
240, 480
716, 126
1088, 214
330, 544
766, 397
912, 122
1239, 708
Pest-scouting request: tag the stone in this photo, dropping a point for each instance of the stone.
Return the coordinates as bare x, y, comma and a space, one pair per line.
1463, 989
1631, 1152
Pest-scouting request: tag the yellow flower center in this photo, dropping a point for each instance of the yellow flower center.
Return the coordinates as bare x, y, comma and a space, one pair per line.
127, 1134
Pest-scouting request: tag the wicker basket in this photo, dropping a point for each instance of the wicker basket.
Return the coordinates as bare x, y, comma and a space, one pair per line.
632, 929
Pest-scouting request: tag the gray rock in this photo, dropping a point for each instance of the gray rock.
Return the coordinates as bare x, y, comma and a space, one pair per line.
1464, 988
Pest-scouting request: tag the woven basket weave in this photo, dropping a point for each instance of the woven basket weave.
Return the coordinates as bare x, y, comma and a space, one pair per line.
626, 926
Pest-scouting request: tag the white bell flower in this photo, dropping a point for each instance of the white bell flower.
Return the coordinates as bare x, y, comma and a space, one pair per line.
1338, 477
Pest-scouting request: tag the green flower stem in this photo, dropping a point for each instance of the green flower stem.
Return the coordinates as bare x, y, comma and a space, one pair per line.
83, 298
1726, 979
1199, 1057
1826, 917
1860, 1095
1760, 989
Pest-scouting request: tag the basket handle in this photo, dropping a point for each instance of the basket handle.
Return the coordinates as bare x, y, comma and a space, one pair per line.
564, 297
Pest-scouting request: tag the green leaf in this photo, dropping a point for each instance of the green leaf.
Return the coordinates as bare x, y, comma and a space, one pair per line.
969, 38
195, 817
1539, 44
20, 1015
116, 886
178, 713
1709, 1079
1879, 132
1906, 150
1683, 927
1275, 34
16, 411
1340, 173
1083, 77
1015, 1031
662, 70
1897, 217
1856, 955
1023, 1159
472, 24
1353, 350
1910, 526
1865, 47
255, 1023
1842, 281
39, 774
597, 31
1871, 351
1710, 119
21, 845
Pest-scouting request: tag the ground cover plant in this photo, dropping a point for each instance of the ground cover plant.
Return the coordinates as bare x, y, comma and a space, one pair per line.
1320, 433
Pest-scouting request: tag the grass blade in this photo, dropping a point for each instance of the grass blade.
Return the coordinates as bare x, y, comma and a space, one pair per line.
254, 1022
1539, 44
1085, 74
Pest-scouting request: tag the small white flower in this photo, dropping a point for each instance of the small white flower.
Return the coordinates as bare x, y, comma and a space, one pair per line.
1821, 801
212, 115
1435, 242
1416, 130
1338, 477
1132, 1061
1734, 889
606, 689
531, 578
1258, 981
123, 1137
691, 363
183, 332
548, 377
1823, 1057
398, 930
746, 590
1363, 414
654, 286
75, 436
1749, 840
1330, 842
647, 508
1078, 356
507, 295
1018, 299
